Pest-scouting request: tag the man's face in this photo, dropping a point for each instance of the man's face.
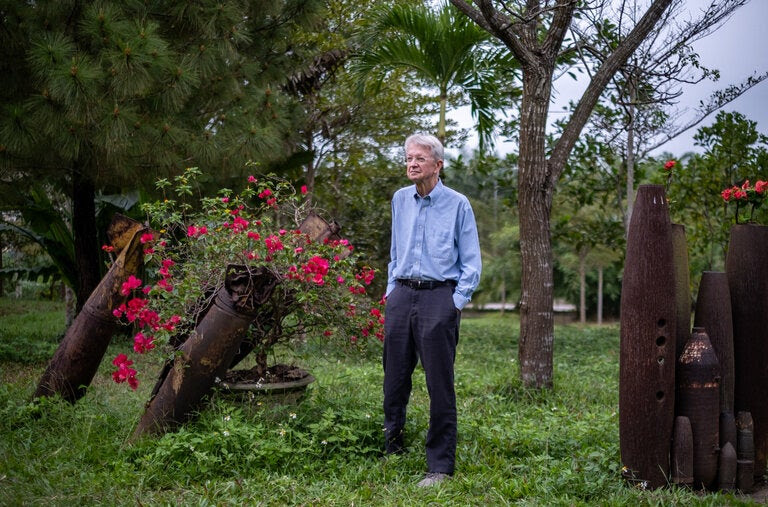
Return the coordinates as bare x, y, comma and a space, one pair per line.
421, 165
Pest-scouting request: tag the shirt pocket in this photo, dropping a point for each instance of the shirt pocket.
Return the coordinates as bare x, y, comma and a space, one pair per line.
440, 242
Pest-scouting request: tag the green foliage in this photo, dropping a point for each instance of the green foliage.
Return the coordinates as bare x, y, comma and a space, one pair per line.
444, 50
734, 152
516, 446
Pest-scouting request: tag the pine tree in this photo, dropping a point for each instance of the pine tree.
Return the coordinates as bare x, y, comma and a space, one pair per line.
100, 95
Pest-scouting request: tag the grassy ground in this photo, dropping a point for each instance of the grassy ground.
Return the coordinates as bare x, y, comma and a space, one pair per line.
516, 446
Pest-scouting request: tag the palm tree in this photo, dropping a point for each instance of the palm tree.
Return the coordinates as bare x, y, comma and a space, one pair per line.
444, 49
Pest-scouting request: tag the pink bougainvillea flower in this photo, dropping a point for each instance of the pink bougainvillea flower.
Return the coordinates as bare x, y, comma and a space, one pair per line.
142, 344
304, 190
165, 285
760, 186
273, 244
129, 285
745, 185
147, 237
265, 193
252, 179
272, 202
669, 164
108, 248
225, 199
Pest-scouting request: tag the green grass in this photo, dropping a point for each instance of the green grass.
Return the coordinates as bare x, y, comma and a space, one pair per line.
516, 446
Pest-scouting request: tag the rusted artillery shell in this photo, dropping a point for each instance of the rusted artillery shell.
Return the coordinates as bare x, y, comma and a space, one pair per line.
747, 269
682, 287
713, 313
745, 436
207, 354
647, 358
681, 458
745, 475
698, 398
727, 429
726, 472
77, 359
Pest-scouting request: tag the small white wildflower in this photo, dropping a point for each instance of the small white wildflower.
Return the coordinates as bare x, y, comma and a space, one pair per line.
192, 448
227, 417
554, 409
644, 485
217, 380
282, 433
225, 433
324, 442
367, 416
292, 415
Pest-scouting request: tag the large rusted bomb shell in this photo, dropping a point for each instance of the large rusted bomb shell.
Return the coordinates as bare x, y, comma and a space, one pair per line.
698, 398
726, 473
682, 453
682, 287
647, 358
713, 313
727, 429
207, 354
747, 269
80, 352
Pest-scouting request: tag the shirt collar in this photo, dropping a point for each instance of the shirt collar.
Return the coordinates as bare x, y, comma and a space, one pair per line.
433, 196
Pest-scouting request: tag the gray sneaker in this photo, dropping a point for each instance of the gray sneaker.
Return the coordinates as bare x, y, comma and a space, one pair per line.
432, 478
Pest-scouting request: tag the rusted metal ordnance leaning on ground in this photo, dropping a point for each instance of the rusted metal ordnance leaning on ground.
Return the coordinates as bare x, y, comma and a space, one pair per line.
82, 349
208, 352
648, 328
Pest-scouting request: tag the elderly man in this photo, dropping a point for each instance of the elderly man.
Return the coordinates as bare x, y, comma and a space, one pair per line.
435, 266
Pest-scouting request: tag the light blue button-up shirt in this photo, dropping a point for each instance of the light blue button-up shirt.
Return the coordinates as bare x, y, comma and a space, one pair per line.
435, 238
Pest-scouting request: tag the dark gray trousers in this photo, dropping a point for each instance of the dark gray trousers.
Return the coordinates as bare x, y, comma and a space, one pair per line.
422, 324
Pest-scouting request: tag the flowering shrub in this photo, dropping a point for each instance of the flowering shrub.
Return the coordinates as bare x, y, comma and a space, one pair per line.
746, 194
322, 286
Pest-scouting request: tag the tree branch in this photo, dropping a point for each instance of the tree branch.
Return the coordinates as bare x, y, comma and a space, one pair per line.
597, 85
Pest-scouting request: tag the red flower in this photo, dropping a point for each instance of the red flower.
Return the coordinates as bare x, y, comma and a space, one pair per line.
252, 179
129, 285
304, 190
147, 237
669, 164
265, 193
108, 248
142, 344
760, 186
273, 244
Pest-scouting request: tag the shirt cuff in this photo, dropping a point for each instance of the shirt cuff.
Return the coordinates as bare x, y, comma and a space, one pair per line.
459, 301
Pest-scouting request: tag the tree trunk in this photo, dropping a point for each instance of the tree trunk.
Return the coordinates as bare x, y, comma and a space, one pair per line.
599, 295
583, 285
84, 232
80, 353
534, 207
630, 155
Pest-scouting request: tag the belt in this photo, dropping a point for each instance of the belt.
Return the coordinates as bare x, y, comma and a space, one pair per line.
425, 284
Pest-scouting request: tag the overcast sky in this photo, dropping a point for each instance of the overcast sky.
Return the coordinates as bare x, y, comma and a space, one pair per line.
738, 49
